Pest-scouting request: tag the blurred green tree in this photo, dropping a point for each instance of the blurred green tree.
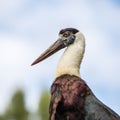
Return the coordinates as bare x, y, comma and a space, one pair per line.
16, 109
2, 117
43, 108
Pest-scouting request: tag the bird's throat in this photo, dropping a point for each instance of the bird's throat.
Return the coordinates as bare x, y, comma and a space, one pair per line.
71, 59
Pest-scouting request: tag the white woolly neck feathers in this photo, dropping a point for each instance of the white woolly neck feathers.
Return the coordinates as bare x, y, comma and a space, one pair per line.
72, 57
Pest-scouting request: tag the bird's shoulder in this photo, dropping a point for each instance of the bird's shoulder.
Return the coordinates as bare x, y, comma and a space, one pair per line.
68, 94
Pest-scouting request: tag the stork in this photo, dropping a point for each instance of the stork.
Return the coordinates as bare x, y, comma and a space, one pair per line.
71, 97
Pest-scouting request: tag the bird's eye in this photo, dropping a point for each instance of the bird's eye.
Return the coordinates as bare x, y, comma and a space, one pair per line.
66, 34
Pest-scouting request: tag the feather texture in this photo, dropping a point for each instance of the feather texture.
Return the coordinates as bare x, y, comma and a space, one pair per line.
72, 99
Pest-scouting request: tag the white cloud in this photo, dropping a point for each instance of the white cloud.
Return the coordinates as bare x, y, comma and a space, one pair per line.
7, 7
15, 66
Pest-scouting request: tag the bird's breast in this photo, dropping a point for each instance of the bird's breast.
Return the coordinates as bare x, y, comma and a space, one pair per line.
68, 95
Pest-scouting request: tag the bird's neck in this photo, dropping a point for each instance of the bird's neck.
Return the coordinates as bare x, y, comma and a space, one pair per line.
72, 57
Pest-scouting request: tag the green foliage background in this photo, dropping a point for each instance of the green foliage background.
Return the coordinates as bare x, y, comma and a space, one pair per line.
16, 109
43, 109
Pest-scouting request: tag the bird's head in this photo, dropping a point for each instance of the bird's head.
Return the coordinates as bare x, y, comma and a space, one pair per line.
66, 38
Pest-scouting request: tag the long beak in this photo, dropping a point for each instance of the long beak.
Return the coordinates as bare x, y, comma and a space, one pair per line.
59, 44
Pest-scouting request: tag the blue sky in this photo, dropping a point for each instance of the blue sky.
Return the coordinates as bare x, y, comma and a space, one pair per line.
27, 28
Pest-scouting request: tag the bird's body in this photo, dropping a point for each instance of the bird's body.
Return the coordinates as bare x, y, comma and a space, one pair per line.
68, 98
71, 98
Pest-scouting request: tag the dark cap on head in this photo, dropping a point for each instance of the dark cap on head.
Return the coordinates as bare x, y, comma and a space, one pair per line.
73, 30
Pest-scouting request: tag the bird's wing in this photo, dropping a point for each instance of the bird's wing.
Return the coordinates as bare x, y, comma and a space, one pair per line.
96, 110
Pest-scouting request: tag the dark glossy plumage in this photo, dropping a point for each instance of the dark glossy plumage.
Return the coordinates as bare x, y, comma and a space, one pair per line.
72, 99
